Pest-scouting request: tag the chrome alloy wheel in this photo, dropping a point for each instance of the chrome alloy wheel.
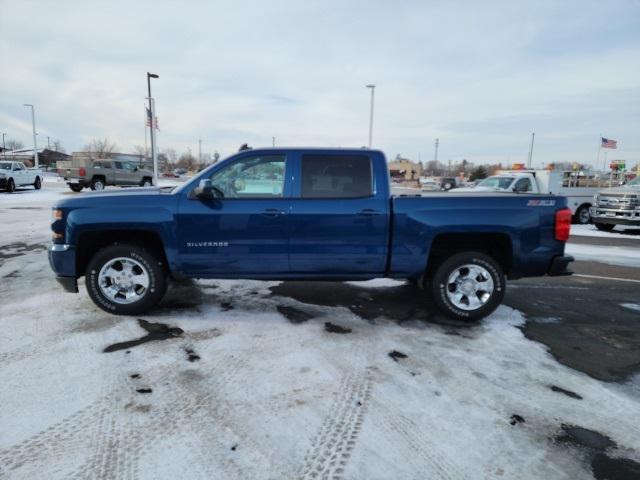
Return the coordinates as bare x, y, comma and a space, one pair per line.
469, 287
123, 280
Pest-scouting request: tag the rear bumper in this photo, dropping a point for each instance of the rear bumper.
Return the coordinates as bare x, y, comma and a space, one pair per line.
559, 266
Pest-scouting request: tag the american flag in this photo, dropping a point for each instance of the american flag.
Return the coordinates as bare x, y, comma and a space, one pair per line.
608, 143
149, 121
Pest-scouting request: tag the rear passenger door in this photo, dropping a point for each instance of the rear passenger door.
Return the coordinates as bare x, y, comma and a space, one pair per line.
338, 224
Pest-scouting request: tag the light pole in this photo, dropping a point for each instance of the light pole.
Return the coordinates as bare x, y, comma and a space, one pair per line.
35, 144
152, 127
372, 87
4, 148
533, 136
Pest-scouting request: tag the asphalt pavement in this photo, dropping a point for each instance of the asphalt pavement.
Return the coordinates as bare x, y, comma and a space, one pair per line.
587, 319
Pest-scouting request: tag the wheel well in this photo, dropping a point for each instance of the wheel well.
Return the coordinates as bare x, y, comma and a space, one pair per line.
586, 204
89, 243
98, 177
496, 245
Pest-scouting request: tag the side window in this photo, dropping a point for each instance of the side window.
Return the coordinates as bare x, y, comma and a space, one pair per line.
97, 165
130, 167
252, 177
523, 185
336, 176
19, 166
118, 165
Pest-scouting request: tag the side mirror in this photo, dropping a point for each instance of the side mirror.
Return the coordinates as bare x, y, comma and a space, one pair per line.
204, 190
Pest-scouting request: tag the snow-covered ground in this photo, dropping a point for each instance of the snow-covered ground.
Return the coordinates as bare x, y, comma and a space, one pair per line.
612, 255
272, 393
620, 231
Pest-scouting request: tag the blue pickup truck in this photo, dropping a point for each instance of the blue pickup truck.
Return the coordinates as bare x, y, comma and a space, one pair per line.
305, 214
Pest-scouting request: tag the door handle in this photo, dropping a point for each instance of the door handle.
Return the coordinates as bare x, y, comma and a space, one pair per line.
272, 212
368, 212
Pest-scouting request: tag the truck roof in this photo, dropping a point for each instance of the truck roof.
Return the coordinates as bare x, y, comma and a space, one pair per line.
315, 149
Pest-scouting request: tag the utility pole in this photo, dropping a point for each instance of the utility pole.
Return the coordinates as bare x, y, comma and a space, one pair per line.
152, 126
4, 148
533, 136
436, 154
35, 143
273, 141
199, 150
154, 153
48, 143
372, 87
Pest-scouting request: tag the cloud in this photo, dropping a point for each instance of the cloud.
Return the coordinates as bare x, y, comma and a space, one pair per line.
479, 77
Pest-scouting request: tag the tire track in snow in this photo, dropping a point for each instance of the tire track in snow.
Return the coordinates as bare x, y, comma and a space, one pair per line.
426, 458
332, 447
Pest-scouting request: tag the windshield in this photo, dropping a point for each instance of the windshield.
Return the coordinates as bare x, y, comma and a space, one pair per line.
497, 182
634, 183
5, 165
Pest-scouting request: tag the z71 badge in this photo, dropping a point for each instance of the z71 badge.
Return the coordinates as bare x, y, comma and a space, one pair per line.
541, 203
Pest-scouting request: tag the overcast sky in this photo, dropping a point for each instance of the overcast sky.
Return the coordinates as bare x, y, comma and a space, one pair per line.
480, 76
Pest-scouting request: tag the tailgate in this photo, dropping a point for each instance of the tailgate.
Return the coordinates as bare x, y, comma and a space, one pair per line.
69, 173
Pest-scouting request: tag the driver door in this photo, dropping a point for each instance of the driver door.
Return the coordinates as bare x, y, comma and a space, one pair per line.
244, 230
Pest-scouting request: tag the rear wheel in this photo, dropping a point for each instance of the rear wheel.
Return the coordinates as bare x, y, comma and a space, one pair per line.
468, 286
583, 216
146, 182
11, 186
37, 184
125, 279
75, 187
605, 227
97, 184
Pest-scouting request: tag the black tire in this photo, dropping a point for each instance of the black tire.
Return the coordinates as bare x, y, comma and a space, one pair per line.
11, 186
582, 216
439, 286
37, 184
155, 270
605, 227
75, 187
97, 184
146, 182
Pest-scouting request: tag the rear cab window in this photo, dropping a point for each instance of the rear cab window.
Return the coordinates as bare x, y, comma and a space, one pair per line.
336, 176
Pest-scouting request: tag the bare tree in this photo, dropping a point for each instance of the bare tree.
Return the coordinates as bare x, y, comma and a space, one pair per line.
188, 161
140, 150
100, 146
57, 146
171, 154
13, 144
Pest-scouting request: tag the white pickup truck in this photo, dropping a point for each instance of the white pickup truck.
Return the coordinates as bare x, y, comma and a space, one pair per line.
15, 174
579, 190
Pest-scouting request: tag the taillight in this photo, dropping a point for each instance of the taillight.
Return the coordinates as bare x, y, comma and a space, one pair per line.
563, 224
82, 172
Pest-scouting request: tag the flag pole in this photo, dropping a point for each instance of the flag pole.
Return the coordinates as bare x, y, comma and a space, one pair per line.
146, 116
599, 148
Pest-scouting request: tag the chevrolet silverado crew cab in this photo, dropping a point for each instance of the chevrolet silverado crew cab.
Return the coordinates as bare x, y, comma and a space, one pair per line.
15, 174
305, 214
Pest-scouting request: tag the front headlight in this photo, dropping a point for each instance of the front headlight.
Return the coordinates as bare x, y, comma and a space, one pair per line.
56, 214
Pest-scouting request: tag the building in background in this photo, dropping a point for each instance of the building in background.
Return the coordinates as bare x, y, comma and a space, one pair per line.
46, 158
404, 170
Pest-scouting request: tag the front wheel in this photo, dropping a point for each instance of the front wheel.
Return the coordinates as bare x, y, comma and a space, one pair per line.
11, 186
125, 279
37, 184
468, 286
145, 182
605, 227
